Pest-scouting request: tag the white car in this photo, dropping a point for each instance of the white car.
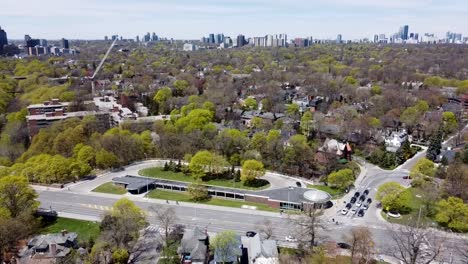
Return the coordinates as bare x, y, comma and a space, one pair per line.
365, 206
344, 211
358, 203
290, 238
354, 210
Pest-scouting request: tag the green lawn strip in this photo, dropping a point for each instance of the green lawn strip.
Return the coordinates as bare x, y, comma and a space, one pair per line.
335, 193
415, 204
84, 229
179, 176
111, 188
184, 197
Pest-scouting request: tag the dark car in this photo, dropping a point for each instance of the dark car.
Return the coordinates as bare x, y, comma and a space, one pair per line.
361, 213
298, 184
343, 245
362, 198
353, 200
369, 200
250, 234
348, 206
356, 194
366, 192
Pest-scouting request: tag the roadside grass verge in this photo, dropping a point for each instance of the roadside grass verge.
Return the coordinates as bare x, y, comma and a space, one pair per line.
184, 197
335, 193
111, 188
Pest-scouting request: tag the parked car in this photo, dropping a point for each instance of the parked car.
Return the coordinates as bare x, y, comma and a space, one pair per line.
365, 206
359, 203
361, 213
362, 198
343, 245
250, 234
118, 169
353, 200
394, 214
369, 200
354, 210
298, 184
366, 192
290, 238
349, 205
356, 194
344, 211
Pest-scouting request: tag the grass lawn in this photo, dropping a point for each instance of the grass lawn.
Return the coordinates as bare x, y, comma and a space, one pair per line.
415, 204
335, 193
84, 229
184, 197
179, 176
111, 188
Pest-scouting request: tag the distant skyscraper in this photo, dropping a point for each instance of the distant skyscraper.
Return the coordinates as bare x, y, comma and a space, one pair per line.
240, 40
65, 44
219, 38
43, 42
211, 39
376, 38
405, 32
3, 39
137, 38
106, 38
114, 37
339, 39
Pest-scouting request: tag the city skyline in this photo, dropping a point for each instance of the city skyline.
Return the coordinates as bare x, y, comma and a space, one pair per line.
183, 19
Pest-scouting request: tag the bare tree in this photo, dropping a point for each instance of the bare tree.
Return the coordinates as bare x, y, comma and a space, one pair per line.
307, 225
362, 245
266, 228
415, 244
166, 217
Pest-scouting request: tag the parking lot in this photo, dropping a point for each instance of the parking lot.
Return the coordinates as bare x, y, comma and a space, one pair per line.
358, 205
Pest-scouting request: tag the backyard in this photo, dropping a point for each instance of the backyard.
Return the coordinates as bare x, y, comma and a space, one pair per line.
179, 176
86, 230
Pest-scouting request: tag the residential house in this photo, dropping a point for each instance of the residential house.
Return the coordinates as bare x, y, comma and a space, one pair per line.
341, 149
48, 248
194, 246
147, 249
261, 252
395, 139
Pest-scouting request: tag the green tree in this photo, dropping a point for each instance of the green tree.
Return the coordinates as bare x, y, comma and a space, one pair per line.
376, 90
180, 86
450, 123
453, 213
292, 109
196, 119
87, 155
251, 170
225, 245
120, 227
435, 145
341, 179
393, 196
204, 162
422, 170
163, 95
16, 196
198, 192
250, 103
106, 159
306, 122
120, 256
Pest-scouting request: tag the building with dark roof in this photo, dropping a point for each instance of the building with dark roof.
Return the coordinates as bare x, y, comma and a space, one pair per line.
290, 198
49, 246
194, 246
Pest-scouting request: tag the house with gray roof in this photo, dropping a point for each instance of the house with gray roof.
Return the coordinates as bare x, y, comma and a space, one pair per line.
261, 252
194, 246
48, 246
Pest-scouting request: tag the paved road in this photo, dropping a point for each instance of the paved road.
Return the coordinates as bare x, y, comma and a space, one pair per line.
92, 206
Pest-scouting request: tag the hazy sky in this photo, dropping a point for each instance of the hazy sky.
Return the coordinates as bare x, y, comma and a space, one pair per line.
192, 19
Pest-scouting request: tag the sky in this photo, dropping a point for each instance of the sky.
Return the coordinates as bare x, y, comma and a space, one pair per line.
192, 19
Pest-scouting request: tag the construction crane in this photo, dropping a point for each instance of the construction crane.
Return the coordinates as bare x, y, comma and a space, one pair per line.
100, 66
